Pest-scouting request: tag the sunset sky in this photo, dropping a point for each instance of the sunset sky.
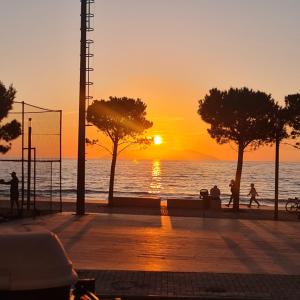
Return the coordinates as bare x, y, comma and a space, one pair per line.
169, 53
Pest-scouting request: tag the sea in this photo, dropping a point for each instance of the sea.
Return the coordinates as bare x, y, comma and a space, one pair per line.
166, 179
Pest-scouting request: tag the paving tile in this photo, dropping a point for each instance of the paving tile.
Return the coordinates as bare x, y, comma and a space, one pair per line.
209, 285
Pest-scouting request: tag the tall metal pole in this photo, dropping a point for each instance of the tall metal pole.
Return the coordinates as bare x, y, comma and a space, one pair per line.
51, 183
34, 179
80, 204
276, 176
29, 166
23, 145
60, 159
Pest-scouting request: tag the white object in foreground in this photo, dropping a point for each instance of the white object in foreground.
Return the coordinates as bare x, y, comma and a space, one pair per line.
33, 260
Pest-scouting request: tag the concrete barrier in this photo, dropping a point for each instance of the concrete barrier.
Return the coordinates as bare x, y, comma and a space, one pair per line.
185, 203
148, 202
215, 204
194, 204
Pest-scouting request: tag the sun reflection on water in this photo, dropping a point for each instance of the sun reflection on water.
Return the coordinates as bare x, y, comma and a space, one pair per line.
155, 184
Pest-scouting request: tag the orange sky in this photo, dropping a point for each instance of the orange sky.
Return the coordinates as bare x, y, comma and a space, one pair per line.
169, 53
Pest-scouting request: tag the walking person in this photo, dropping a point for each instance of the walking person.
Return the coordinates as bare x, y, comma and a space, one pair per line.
14, 190
253, 194
232, 190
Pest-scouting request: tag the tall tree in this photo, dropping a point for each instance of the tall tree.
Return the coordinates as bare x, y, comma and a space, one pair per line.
288, 126
124, 121
280, 121
242, 116
12, 129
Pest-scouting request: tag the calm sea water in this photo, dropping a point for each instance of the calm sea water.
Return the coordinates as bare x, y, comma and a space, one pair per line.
168, 179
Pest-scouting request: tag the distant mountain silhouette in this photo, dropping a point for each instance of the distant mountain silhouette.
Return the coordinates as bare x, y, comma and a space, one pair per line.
170, 155
195, 155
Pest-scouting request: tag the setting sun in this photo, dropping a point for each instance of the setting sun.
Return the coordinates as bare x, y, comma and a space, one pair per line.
157, 140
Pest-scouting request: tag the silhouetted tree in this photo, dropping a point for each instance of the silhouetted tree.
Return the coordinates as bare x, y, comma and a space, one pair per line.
11, 130
292, 106
124, 121
243, 116
287, 125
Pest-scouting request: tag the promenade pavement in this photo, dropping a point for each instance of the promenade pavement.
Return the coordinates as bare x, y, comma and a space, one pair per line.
232, 249
100, 206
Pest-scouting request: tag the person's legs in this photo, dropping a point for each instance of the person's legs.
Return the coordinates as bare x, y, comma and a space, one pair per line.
11, 205
12, 202
251, 199
17, 203
256, 202
230, 199
14, 199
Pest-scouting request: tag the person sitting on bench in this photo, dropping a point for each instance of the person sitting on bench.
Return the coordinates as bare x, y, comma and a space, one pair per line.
215, 193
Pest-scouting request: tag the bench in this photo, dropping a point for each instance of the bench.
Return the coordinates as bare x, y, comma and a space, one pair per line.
215, 204
194, 204
145, 202
185, 203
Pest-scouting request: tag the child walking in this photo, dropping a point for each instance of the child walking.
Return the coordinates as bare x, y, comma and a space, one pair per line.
253, 194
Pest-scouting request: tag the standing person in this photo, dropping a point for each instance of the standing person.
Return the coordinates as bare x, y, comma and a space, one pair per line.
14, 190
253, 194
232, 190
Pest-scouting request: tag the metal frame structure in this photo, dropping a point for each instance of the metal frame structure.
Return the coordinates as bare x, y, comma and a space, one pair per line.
29, 160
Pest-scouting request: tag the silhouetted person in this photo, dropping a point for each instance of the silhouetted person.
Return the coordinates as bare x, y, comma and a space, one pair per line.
215, 193
232, 190
14, 190
253, 194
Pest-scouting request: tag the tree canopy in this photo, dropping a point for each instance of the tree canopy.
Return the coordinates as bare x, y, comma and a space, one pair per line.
241, 115
12, 129
119, 118
292, 106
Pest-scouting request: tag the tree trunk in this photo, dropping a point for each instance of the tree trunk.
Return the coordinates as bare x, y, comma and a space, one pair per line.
238, 175
112, 173
276, 177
